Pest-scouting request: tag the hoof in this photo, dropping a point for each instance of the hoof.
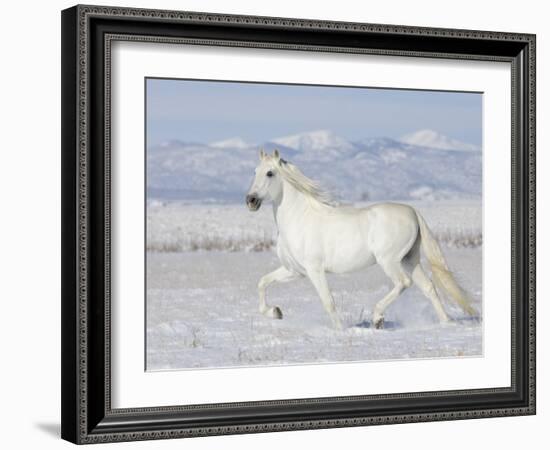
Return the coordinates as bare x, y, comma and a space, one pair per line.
379, 323
275, 313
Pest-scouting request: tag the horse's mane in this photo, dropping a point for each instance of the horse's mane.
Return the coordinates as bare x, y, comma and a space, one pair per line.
305, 185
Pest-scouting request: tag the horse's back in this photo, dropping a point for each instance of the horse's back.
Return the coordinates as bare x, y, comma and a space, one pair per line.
392, 211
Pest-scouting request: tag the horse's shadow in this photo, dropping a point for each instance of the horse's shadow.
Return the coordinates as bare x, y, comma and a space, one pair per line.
388, 325
468, 320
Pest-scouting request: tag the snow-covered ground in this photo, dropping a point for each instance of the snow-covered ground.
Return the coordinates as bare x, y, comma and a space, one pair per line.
202, 311
202, 304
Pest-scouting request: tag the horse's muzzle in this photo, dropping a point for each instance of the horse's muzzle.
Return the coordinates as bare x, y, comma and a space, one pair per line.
253, 202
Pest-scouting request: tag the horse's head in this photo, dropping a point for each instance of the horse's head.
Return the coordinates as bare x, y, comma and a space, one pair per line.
267, 184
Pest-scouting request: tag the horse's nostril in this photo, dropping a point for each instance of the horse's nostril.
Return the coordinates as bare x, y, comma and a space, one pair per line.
251, 199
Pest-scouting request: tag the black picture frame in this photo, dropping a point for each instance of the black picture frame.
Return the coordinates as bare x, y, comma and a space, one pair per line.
87, 416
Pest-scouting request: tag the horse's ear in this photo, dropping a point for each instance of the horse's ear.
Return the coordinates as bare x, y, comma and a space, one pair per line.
276, 154
262, 154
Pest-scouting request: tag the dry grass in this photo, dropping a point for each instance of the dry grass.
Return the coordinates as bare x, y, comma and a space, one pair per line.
254, 243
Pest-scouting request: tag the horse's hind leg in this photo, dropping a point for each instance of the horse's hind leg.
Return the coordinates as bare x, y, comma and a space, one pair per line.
426, 286
281, 275
401, 281
419, 277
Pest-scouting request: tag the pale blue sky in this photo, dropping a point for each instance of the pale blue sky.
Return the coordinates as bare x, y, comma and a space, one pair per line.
208, 111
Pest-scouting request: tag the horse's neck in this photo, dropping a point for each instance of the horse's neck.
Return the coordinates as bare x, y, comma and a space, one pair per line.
291, 204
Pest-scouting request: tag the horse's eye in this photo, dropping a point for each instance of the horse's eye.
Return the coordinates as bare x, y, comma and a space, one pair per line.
269, 174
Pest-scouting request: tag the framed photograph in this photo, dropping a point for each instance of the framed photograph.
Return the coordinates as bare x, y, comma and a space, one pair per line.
278, 224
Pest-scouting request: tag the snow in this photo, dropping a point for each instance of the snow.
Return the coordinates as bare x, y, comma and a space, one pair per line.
235, 142
206, 253
433, 139
202, 311
314, 141
203, 266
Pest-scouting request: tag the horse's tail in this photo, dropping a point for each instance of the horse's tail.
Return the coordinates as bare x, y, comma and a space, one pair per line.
441, 274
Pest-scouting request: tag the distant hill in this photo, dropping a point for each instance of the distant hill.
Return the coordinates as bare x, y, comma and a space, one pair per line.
423, 165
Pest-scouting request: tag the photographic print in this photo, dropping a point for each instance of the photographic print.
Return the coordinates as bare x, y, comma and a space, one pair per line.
308, 224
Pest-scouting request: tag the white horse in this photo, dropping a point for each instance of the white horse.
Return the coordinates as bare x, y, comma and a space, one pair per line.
316, 237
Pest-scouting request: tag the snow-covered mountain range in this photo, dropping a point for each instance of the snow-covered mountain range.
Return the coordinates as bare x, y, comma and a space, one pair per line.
433, 139
422, 165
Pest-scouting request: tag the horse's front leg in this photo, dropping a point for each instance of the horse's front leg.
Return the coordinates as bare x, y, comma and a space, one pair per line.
281, 275
319, 280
